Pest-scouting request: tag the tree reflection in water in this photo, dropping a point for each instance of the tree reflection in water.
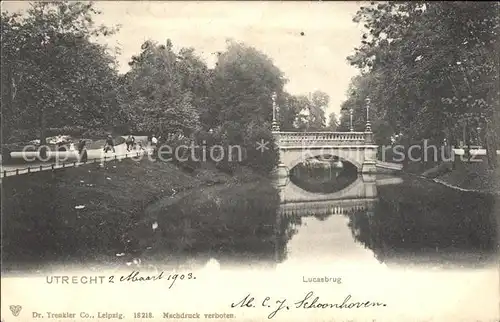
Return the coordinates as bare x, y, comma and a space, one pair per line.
413, 222
286, 228
428, 224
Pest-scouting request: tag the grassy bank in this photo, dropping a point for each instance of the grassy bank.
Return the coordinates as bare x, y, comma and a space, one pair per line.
91, 214
473, 176
461, 174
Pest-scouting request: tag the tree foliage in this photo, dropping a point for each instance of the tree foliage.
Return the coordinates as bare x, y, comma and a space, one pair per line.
158, 92
430, 68
53, 73
303, 112
333, 122
56, 74
318, 102
244, 82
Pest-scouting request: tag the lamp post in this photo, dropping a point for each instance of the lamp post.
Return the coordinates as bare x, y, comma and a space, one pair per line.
281, 170
351, 129
274, 126
368, 127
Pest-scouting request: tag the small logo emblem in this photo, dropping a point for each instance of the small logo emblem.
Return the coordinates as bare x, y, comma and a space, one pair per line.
15, 309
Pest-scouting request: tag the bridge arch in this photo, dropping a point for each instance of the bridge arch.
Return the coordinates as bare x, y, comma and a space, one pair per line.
354, 156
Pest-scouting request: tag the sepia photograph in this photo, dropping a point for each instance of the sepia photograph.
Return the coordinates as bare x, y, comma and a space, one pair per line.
250, 161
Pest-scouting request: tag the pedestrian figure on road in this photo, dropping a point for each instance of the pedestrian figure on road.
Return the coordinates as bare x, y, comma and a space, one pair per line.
154, 143
82, 151
130, 142
109, 144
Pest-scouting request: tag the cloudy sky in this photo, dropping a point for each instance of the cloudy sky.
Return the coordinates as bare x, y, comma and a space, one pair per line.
315, 60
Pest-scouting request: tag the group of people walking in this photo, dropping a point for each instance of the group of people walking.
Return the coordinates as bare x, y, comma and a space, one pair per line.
109, 145
130, 142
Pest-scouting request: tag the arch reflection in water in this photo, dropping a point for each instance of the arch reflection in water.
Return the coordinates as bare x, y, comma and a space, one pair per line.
394, 220
337, 191
345, 194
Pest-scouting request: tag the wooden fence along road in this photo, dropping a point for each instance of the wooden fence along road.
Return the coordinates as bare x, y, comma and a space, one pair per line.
23, 169
67, 159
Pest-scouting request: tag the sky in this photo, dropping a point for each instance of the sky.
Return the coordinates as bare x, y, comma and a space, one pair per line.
313, 61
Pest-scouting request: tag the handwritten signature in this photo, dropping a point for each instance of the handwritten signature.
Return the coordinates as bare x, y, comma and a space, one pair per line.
307, 302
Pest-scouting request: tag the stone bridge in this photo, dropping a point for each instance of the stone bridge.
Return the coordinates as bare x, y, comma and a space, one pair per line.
353, 147
356, 148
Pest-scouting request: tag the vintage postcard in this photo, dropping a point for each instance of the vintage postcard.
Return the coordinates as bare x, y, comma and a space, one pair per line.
250, 161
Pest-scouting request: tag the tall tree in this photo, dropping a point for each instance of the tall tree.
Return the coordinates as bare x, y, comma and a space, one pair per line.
197, 79
291, 112
245, 80
158, 90
53, 71
432, 65
333, 122
318, 103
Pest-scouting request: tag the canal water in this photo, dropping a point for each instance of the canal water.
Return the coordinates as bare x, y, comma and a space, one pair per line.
342, 219
394, 221
427, 251
317, 214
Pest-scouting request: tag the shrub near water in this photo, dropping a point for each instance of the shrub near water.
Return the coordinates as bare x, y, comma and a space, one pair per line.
221, 219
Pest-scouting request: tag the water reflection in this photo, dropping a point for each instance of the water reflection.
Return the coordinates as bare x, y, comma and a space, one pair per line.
421, 223
338, 216
384, 220
323, 177
313, 223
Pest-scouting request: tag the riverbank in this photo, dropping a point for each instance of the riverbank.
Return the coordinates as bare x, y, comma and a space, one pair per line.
99, 214
466, 176
473, 176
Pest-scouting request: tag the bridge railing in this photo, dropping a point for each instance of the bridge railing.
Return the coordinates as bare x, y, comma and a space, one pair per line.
305, 138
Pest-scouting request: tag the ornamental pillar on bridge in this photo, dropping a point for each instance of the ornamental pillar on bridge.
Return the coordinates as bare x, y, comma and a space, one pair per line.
275, 127
281, 170
368, 126
370, 151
